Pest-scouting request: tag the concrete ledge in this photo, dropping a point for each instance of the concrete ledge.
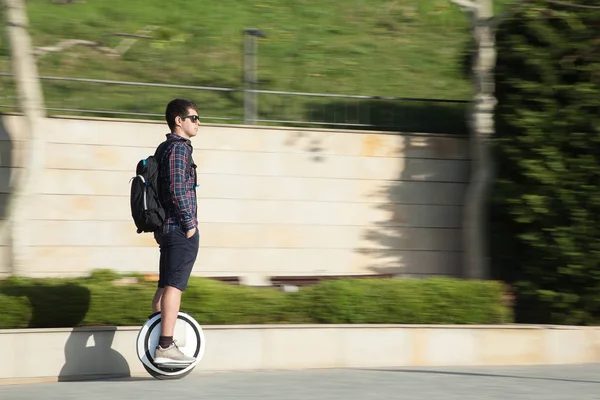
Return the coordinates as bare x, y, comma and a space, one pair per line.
67, 354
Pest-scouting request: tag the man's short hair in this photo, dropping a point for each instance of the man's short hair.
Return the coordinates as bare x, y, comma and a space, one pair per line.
178, 108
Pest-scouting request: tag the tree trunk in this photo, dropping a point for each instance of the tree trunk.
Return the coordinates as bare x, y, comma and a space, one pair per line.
32, 106
481, 122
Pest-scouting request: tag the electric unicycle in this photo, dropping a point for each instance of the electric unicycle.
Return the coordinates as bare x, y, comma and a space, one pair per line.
190, 340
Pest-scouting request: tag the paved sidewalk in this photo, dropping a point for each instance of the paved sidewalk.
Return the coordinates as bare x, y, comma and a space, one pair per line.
569, 382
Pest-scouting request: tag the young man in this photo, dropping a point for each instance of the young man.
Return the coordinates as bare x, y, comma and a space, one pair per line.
178, 238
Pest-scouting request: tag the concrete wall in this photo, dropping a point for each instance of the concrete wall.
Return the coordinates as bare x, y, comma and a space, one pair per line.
272, 201
94, 352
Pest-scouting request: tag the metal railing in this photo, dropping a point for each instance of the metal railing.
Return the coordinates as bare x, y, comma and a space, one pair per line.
317, 109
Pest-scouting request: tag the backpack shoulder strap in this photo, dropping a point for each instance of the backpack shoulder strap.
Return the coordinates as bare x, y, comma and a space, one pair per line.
161, 150
164, 147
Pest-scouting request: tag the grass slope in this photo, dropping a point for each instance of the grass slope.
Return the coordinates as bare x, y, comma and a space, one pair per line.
401, 48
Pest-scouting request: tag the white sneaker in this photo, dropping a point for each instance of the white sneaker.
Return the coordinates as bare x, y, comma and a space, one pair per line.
171, 355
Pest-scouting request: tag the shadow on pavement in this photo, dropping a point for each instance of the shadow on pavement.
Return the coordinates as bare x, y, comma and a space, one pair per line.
99, 358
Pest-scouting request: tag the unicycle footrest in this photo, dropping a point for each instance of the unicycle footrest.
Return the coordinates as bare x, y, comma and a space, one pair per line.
172, 365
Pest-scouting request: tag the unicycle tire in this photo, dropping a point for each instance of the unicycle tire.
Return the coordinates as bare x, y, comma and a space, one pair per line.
164, 377
190, 340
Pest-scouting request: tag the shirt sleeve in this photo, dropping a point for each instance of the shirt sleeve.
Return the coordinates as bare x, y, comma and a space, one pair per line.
178, 159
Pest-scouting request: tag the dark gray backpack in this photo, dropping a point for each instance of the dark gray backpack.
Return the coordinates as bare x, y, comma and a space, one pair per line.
146, 209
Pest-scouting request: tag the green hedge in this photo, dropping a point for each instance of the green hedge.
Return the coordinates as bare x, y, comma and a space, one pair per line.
15, 312
99, 300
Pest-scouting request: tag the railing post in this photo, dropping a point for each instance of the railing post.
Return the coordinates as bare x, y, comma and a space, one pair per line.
250, 75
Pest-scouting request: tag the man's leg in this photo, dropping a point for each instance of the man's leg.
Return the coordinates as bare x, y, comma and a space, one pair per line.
170, 304
162, 272
157, 300
180, 255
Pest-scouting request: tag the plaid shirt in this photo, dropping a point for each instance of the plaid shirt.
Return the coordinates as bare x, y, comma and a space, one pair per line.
178, 186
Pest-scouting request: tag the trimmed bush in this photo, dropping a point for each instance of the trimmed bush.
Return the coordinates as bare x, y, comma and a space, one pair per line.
105, 298
425, 301
50, 302
15, 312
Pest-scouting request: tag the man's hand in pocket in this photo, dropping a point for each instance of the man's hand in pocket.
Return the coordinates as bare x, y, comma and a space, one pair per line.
190, 233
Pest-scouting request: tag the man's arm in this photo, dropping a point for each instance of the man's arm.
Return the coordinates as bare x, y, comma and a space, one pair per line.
178, 159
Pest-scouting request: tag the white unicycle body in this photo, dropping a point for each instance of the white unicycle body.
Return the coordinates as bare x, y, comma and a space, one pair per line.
189, 337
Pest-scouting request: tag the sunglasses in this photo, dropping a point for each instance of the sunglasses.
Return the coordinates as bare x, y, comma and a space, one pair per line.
194, 118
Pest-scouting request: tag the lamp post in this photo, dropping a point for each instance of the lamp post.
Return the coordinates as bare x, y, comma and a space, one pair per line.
250, 74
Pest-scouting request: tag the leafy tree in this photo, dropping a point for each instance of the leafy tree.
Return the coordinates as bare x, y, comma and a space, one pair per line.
545, 208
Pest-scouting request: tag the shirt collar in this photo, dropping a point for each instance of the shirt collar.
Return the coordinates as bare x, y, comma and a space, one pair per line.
174, 136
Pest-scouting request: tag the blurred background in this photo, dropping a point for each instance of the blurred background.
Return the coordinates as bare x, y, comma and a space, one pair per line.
399, 67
